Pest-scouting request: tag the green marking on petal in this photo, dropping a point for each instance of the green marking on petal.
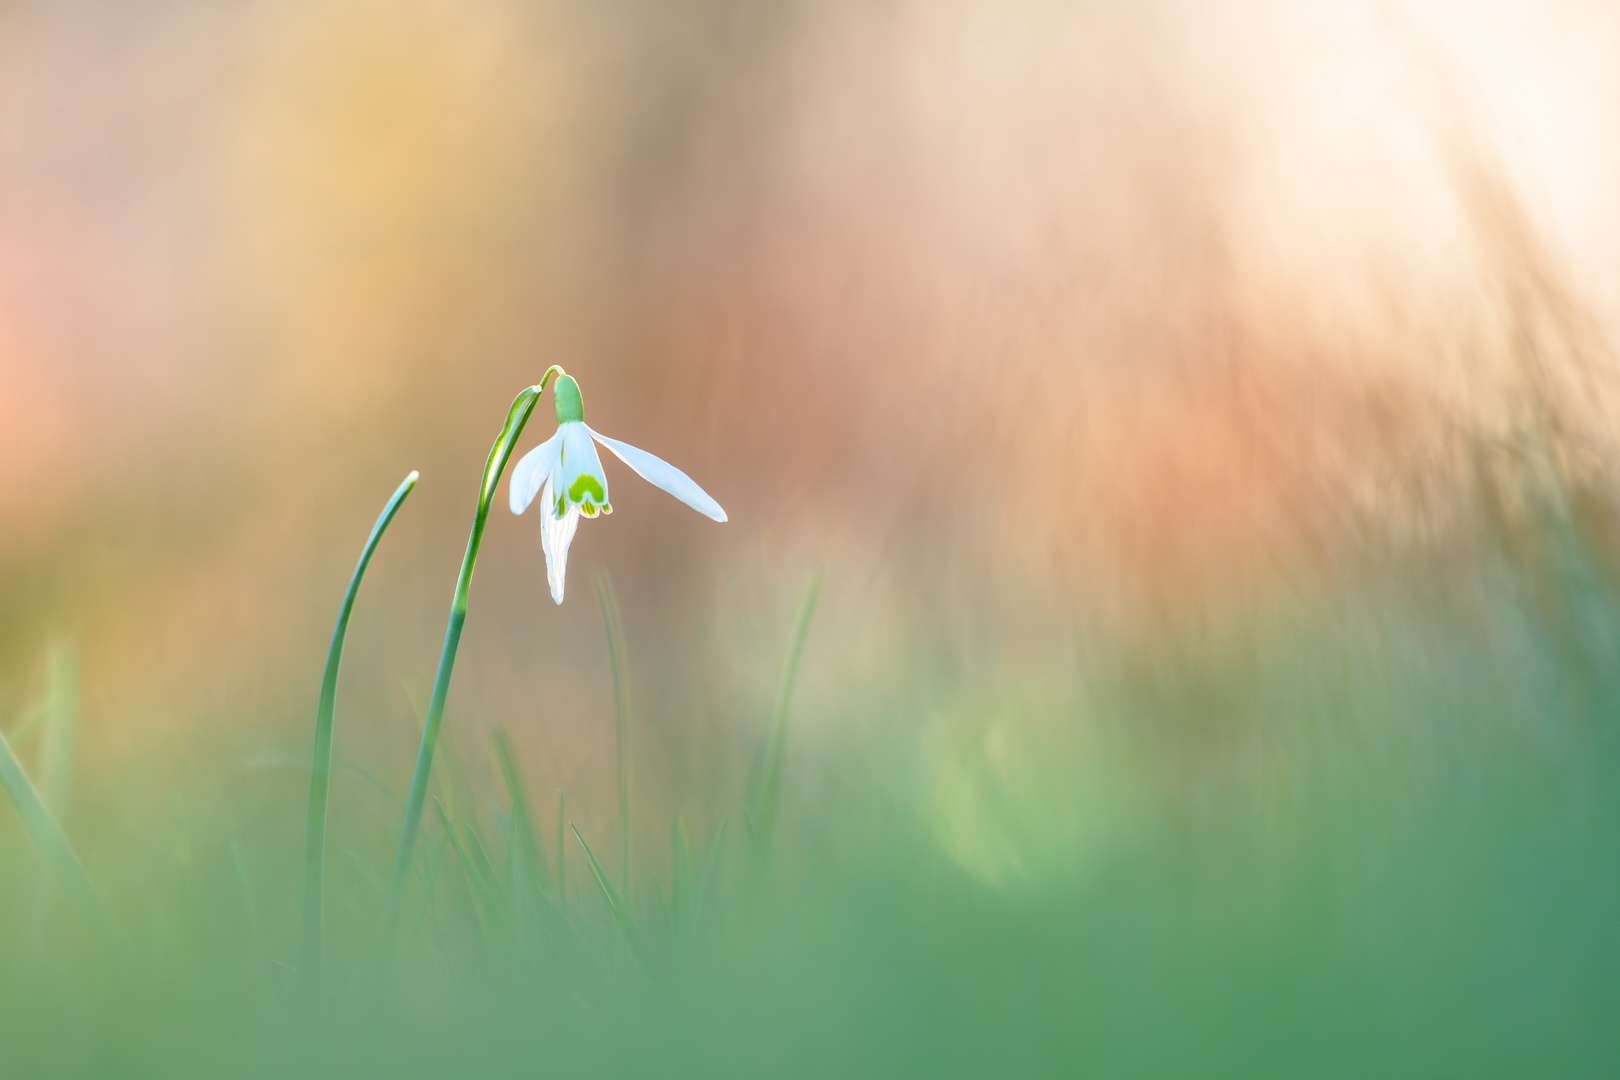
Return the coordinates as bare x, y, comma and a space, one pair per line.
586, 487
565, 394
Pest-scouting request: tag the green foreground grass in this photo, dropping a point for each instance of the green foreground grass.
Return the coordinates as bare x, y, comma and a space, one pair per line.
1376, 836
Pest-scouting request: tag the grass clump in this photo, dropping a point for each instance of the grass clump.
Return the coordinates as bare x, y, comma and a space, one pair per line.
1360, 832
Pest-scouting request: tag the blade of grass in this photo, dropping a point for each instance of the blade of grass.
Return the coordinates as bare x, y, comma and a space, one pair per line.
46, 833
61, 725
453, 786
250, 904
711, 868
680, 874
427, 868
516, 418
59, 711
621, 716
562, 855
516, 893
761, 813
525, 840
475, 880
28, 722
320, 769
616, 908
486, 867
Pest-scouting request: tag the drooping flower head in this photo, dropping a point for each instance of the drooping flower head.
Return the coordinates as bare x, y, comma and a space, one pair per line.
566, 473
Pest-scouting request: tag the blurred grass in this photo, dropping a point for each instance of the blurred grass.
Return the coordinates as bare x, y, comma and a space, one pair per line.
1361, 832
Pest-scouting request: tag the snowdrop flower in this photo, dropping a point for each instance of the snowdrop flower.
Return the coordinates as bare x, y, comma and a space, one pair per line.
567, 475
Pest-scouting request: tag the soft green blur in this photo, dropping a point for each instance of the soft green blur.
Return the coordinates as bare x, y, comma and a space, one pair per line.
1336, 838
1168, 621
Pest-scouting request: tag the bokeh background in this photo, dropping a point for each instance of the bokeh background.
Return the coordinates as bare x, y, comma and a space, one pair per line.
1170, 394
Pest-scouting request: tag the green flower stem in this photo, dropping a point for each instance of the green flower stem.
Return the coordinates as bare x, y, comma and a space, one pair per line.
320, 769
522, 406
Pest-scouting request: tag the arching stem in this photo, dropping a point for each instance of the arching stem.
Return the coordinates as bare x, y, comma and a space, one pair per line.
522, 406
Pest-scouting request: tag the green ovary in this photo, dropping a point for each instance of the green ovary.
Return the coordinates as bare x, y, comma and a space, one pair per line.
570, 405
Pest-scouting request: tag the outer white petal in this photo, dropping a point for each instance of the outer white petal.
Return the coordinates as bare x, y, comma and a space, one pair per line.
662, 474
556, 533
532, 471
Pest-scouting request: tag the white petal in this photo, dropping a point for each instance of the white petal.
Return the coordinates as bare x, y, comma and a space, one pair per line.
532, 471
662, 474
579, 458
555, 536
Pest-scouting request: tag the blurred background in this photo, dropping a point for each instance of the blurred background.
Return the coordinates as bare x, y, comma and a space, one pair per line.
1178, 398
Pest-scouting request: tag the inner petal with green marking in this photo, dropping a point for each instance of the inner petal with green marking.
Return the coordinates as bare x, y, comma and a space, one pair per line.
587, 488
